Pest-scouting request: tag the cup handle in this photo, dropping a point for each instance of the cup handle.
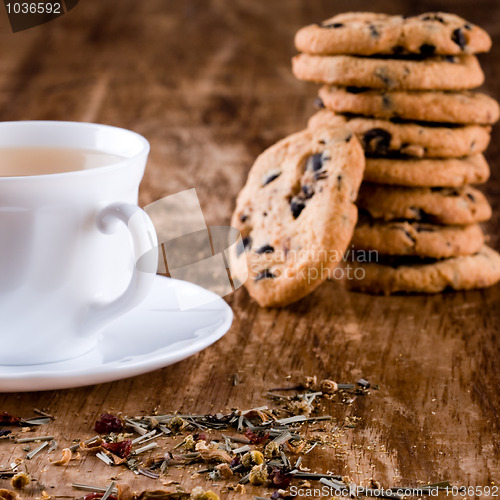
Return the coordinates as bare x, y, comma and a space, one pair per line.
145, 247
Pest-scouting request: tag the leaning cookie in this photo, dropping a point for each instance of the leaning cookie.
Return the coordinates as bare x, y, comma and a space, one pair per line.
384, 137
399, 276
296, 213
417, 239
367, 33
443, 172
462, 107
463, 205
434, 73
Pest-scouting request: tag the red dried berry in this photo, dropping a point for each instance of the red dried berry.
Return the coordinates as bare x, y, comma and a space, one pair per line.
256, 438
8, 419
108, 423
280, 479
121, 449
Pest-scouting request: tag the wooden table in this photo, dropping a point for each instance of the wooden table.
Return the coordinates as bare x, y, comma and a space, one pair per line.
209, 84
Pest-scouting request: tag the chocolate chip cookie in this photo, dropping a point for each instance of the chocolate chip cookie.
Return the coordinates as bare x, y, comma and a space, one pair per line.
433, 73
385, 137
417, 239
463, 107
366, 33
451, 172
296, 213
399, 275
462, 205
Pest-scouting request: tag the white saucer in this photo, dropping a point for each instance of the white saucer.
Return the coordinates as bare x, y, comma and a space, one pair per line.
170, 325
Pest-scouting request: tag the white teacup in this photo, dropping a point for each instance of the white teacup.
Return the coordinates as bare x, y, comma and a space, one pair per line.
67, 264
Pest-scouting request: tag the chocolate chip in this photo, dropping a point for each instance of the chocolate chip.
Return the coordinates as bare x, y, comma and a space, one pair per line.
247, 242
450, 59
296, 206
264, 275
321, 174
374, 32
382, 74
271, 177
356, 90
265, 249
377, 141
427, 49
318, 102
433, 17
308, 191
243, 217
386, 101
332, 25
315, 162
459, 38
339, 182
410, 237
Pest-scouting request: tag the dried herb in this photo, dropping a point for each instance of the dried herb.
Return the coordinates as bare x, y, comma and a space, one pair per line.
108, 423
256, 437
279, 478
121, 449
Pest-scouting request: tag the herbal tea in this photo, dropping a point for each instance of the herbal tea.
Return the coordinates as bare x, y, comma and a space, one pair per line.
24, 161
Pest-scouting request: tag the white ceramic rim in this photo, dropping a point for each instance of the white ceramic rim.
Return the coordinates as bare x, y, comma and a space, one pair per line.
143, 148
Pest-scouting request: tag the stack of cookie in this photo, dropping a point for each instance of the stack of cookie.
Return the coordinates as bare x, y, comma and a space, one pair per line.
403, 86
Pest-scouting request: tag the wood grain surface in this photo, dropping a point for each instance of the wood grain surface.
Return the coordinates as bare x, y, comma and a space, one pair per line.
209, 84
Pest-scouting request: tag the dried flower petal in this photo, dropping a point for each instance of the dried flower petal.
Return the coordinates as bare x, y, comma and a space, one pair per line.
224, 470
125, 492
220, 418
108, 423
311, 382
253, 457
8, 419
20, 480
121, 449
92, 446
300, 407
215, 456
91, 496
258, 475
296, 449
272, 450
176, 424
256, 438
8, 495
66, 457
199, 494
162, 495
279, 478
328, 386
